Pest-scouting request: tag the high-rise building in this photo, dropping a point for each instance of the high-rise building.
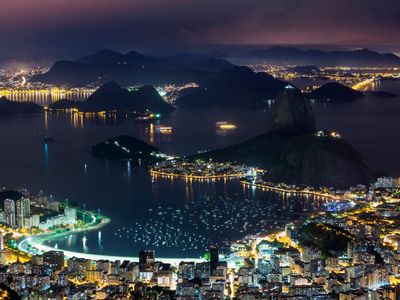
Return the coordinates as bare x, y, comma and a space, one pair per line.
93, 276
114, 267
54, 205
1, 241
2, 216
214, 258
62, 279
32, 221
186, 270
386, 182
9, 210
23, 211
54, 259
202, 270
70, 214
147, 261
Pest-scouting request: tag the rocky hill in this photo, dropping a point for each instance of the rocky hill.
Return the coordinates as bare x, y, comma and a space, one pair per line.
13, 107
292, 152
334, 92
236, 87
127, 147
292, 55
291, 113
132, 68
111, 96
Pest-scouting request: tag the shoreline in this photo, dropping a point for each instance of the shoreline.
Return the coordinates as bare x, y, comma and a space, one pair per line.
199, 177
37, 243
34, 244
299, 192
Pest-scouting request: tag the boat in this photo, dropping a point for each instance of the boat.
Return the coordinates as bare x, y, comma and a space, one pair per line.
225, 125
164, 129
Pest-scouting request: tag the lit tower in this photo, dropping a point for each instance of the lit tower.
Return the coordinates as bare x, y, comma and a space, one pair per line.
147, 261
23, 211
9, 209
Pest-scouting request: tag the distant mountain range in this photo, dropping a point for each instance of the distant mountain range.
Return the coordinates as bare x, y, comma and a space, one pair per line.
13, 107
132, 68
291, 55
111, 96
236, 87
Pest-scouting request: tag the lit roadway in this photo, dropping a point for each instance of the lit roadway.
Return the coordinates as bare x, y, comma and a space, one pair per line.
265, 186
68, 254
361, 86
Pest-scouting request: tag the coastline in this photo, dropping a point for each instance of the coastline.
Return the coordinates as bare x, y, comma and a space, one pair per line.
273, 188
36, 242
166, 174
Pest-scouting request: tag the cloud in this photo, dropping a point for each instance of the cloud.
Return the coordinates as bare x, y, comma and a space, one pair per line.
80, 25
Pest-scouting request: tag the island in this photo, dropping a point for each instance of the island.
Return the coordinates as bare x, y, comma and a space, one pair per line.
334, 92
111, 97
64, 104
128, 148
13, 107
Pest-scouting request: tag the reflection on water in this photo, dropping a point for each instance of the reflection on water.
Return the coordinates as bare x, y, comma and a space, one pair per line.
374, 86
46, 97
46, 155
213, 211
78, 120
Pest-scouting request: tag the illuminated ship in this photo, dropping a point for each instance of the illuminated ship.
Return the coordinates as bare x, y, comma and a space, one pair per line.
225, 125
163, 129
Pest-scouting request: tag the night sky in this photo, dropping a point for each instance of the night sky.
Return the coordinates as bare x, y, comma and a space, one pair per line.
80, 26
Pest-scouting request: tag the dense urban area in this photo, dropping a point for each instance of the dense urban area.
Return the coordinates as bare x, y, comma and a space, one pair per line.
348, 251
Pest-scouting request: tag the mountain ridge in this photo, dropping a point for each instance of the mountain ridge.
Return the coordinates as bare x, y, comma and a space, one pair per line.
132, 68
12, 107
293, 152
236, 87
293, 55
111, 96
334, 92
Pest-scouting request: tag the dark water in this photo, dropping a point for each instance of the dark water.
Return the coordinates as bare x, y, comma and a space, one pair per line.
175, 217
370, 124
